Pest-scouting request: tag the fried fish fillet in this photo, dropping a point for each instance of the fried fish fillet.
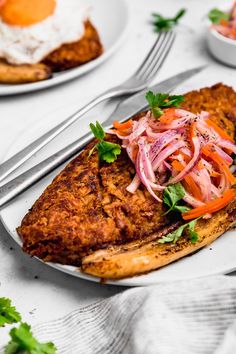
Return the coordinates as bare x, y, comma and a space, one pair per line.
86, 217
77, 53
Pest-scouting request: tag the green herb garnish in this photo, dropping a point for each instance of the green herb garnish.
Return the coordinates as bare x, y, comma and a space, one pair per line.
176, 234
172, 195
165, 24
23, 341
162, 100
106, 151
8, 313
216, 15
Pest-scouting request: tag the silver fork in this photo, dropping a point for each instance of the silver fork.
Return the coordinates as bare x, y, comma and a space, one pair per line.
137, 82
125, 110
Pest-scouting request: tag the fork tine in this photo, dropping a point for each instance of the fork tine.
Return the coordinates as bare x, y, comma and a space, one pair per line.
164, 47
159, 59
151, 54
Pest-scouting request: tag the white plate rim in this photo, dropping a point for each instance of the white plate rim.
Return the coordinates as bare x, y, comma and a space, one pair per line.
74, 73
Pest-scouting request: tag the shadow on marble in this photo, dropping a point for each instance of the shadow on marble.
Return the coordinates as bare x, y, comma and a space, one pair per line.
23, 267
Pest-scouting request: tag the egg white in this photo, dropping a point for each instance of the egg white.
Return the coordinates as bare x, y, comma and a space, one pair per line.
30, 44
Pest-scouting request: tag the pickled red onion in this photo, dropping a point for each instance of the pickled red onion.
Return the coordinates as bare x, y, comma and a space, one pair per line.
153, 146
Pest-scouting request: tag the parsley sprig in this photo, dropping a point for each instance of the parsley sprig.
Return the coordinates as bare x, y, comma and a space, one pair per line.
172, 195
107, 151
176, 234
8, 313
216, 15
23, 341
162, 23
162, 100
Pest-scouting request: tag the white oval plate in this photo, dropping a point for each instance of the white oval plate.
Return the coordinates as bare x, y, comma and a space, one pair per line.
218, 258
110, 17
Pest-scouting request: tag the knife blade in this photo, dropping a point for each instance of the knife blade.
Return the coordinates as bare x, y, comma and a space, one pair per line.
136, 103
124, 111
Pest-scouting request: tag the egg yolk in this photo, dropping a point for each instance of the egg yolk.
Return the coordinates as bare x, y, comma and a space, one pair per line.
26, 12
2, 2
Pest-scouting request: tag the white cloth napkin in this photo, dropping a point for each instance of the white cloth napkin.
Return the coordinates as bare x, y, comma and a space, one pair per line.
188, 317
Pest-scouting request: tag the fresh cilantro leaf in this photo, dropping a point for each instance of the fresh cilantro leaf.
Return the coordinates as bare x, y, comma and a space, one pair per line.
172, 195
155, 102
181, 208
193, 236
176, 234
107, 151
216, 15
97, 130
23, 341
173, 101
173, 236
180, 14
162, 100
8, 313
150, 97
165, 24
192, 233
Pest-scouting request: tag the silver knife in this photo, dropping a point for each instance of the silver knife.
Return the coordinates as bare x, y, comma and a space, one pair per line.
125, 110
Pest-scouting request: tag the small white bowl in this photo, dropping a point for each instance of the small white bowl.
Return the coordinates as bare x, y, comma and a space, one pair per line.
221, 47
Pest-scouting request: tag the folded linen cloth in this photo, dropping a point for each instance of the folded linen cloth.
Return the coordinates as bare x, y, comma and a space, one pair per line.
188, 317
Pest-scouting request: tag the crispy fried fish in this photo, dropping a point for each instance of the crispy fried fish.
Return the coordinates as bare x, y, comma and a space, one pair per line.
74, 54
86, 216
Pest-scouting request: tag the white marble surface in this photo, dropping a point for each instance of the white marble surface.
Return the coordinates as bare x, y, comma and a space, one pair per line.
39, 292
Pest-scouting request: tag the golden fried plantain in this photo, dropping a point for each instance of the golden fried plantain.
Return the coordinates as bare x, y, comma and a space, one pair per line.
141, 256
20, 74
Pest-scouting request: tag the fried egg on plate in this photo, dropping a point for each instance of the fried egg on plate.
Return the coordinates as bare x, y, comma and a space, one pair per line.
31, 29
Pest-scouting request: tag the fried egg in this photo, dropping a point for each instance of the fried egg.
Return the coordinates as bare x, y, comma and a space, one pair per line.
28, 32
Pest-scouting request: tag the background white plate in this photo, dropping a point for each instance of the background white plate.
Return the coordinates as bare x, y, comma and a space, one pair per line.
110, 17
218, 258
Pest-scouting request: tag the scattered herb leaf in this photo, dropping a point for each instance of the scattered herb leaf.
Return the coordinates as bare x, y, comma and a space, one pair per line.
23, 341
176, 234
165, 24
191, 229
162, 100
193, 235
107, 151
172, 195
8, 313
216, 15
97, 130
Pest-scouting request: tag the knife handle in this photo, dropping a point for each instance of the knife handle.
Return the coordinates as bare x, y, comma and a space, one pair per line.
25, 180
